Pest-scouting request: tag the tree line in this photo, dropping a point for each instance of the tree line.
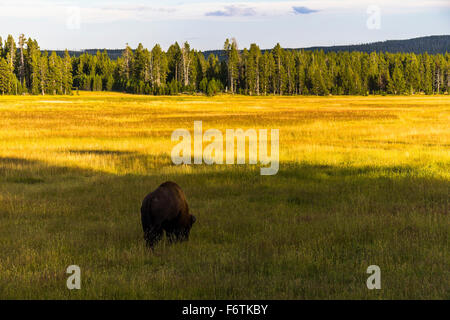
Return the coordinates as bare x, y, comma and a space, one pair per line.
24, 69
180, 69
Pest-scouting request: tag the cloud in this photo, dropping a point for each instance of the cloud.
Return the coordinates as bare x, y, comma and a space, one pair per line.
233, 11
303, 10
102, 11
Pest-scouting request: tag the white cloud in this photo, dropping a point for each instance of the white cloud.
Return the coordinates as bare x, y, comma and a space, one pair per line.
100, 11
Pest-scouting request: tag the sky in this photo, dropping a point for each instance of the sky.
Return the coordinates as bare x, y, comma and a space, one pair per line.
84, 24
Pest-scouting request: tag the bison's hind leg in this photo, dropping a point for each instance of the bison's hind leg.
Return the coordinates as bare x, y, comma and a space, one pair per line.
152, 236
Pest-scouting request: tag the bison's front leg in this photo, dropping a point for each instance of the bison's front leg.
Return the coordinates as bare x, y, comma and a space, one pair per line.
152, 236
177, 235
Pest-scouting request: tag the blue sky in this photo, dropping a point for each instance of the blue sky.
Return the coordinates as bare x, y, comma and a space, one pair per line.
205, 24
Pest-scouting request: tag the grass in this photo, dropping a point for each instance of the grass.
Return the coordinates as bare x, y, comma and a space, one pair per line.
362, 181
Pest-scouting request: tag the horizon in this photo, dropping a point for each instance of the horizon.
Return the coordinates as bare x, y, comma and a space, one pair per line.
77, 25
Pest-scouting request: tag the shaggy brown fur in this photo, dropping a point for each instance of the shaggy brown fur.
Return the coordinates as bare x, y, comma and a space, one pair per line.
166, 209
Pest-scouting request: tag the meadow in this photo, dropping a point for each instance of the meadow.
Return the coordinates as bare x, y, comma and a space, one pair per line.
362, 181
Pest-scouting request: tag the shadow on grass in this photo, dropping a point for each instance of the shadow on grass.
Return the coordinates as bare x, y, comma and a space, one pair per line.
297, 185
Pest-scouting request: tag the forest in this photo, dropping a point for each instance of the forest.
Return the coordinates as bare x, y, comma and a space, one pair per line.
25, 69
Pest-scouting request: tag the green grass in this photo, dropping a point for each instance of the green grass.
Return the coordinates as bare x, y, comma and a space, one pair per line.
362, 181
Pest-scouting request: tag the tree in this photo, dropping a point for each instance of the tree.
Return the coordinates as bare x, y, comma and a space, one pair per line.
66, 74
54, 75
300, 69
21, 60
279, 72
267, 66
232, 55
426, 70
43, 69
158, 66
127, 63
213, 87
213, 67
289, 70
186, 58
174, 63
10, 52
412, 74
5, 77
253, 70
140, 62
397, 83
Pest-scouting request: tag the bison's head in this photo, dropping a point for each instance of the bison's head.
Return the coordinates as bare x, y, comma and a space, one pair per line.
182, 234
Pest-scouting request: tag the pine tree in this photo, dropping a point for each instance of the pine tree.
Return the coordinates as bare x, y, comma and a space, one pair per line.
289, 67
213, 67
66, 74
397, 83
232, 54
279, 72
139, 65
43, 73
267, 67
253, 69
10, 52
412, 74
32, 57
5, 77
127, 63
54, 75
158, 66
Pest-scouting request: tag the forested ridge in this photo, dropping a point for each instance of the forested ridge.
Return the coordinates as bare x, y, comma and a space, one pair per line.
180, 69
429, 44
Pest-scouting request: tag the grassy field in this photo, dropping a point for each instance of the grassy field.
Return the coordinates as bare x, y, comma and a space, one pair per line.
362, 181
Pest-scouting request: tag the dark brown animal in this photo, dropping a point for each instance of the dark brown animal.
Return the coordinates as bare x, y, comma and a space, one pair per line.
166, 209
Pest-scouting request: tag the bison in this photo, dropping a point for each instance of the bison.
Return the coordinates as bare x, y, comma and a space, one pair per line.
166, 209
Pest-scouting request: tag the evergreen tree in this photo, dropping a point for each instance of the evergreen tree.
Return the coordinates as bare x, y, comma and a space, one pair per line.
397, 83
66, 74
412, 74
253, 69
5, 77
159, 67
267, 66
232, 54
279, 70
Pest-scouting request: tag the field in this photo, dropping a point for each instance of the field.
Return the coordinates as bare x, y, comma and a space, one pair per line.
362, 181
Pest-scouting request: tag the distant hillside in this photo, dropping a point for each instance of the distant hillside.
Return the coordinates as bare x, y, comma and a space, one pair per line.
431, 44
112, 53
